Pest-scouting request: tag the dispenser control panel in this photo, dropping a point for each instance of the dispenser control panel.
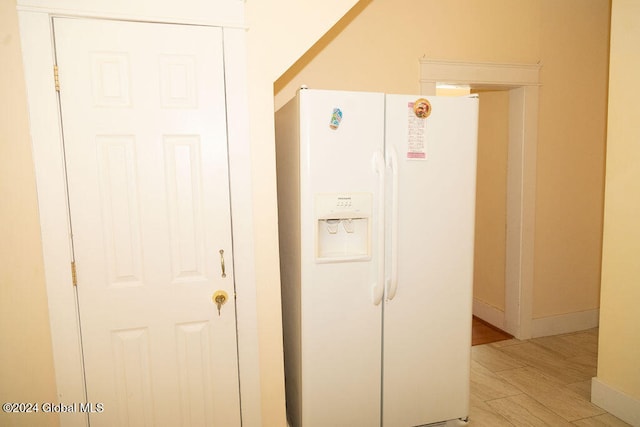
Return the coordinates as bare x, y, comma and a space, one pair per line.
344, 202
343, 205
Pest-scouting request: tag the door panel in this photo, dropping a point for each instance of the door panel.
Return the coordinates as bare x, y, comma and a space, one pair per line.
143, 114
427, 323
340, 320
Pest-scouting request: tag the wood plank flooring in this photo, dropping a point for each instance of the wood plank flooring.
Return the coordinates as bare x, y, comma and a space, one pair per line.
538, 382
484, 333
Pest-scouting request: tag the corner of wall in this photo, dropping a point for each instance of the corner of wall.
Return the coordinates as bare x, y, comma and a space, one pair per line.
615, 402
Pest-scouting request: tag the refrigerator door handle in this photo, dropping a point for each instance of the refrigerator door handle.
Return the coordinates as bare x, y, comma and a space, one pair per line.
377, 290
392, 282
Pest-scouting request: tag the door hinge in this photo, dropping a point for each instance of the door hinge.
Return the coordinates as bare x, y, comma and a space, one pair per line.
55, 78
74, 276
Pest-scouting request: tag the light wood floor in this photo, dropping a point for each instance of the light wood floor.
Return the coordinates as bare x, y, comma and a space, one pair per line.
538, 382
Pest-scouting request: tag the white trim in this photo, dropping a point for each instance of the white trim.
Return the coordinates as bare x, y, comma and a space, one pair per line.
242, 224
221, 13
565, 323
488, 313
37, 52
522, 81
617, 403
484, 73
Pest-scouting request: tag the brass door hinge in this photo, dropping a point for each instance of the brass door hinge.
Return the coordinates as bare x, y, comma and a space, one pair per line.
56, 79
74, 276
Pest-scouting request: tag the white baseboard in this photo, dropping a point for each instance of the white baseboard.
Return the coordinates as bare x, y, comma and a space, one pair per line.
565, 323
615, 402
488, 313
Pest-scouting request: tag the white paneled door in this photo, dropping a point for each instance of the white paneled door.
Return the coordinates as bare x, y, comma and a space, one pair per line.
144, 126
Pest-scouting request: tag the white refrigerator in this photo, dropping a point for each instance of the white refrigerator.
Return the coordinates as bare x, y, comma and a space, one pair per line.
376, 200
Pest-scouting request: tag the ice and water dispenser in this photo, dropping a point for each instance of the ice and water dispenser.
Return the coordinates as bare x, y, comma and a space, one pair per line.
343, 227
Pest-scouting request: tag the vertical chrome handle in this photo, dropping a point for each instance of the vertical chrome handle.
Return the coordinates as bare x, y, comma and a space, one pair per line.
224, 274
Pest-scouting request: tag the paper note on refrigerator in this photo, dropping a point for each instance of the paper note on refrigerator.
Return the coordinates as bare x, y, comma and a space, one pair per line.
417, 125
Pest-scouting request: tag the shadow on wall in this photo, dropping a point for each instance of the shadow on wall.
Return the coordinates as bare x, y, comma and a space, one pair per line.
323, 42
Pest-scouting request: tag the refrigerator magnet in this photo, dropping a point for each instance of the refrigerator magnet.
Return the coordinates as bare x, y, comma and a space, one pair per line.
336, 118
422, 108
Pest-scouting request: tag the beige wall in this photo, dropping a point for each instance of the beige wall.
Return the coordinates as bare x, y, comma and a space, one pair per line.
379, 51
380, 48
619, 344
491, 202
26, 359
574, 43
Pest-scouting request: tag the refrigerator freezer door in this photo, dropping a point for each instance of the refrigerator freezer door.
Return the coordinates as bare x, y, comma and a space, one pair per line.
340, 326
427, 323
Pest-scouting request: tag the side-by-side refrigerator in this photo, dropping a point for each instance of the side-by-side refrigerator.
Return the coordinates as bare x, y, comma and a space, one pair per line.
376, 200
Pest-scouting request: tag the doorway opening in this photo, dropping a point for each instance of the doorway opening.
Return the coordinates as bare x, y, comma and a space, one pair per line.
521, 84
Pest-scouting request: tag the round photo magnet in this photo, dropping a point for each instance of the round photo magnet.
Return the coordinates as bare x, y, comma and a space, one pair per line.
422, 108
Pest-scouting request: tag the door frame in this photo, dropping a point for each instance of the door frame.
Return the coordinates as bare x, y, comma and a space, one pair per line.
36, 34
522, 81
